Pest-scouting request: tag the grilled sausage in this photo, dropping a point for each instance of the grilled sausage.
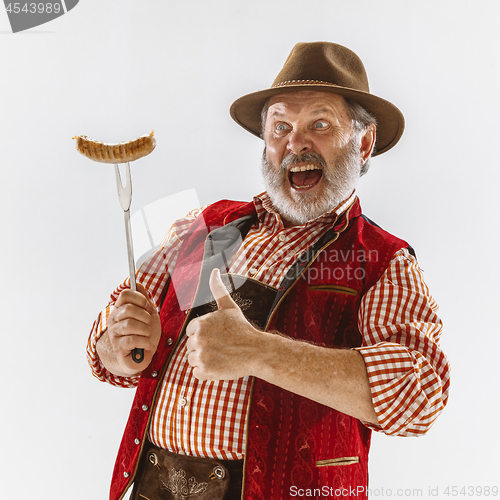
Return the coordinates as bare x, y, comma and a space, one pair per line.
115, 153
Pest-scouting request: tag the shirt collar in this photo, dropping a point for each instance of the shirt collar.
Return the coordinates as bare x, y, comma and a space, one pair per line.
264, 205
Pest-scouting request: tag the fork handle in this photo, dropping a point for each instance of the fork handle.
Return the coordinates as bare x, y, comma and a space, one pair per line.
137, 354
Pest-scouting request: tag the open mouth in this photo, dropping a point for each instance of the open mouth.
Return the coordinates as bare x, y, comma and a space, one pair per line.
304, 176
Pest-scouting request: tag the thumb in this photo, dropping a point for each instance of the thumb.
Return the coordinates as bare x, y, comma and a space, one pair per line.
219, 291
150, 306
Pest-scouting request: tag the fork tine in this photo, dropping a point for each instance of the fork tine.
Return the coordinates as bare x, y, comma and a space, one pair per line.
124, 191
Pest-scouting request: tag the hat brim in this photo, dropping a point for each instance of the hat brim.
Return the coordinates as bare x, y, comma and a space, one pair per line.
247, 110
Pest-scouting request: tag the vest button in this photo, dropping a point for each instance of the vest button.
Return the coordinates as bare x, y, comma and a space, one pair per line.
126, 474
137, 441
154, 374
145, 407
170, 341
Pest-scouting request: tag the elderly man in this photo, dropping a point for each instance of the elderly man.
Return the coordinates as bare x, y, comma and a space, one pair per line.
265, 381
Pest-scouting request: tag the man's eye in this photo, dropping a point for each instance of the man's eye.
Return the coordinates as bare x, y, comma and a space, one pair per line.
281, 127
321, 124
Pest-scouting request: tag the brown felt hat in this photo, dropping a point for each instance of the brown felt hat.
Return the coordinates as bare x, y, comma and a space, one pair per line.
324, 67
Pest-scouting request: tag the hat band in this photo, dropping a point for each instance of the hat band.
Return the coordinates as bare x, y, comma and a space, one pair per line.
303, 82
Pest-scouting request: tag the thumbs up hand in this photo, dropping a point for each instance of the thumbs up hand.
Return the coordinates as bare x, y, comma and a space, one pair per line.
222, 344
220, 293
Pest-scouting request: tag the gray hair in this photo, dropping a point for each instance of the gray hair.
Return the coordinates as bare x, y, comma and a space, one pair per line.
361, 119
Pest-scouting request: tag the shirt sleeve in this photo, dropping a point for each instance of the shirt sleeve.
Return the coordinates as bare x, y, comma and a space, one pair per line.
408, 372
153, 274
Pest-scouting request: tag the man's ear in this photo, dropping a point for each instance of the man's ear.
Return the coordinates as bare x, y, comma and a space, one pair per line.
368, 142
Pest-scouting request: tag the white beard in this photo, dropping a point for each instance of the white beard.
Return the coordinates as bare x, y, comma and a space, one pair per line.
339, 180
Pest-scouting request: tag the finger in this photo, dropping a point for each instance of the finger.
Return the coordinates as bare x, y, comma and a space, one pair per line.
192, 359
190, 345
124, 345
150, 305
192, 327
130, 327
130, 311
139, 298
131, 297
219, 291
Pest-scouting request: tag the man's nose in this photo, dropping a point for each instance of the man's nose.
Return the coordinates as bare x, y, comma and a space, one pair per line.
299, 142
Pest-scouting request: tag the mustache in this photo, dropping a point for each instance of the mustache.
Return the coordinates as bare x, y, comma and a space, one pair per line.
293, 159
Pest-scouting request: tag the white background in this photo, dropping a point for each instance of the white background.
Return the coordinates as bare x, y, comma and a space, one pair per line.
117, 69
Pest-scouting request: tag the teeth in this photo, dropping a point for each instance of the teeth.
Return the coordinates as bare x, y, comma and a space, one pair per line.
303, 168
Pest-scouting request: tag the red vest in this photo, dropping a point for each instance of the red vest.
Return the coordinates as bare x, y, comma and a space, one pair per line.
295, 447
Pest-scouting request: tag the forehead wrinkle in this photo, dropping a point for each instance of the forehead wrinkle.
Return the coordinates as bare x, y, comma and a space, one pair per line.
276, 112
323, 110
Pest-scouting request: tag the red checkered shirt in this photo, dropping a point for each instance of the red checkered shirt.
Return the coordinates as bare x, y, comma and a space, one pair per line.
407, 371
